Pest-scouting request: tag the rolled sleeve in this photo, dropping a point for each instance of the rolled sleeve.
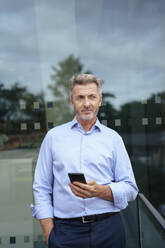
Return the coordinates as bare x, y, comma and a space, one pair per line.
120, 192
43, 182
124, 189
45, 212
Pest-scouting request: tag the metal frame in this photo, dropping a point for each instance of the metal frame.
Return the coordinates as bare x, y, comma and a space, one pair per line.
153, 211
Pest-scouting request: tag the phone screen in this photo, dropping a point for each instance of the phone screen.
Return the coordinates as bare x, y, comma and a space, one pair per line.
79, 177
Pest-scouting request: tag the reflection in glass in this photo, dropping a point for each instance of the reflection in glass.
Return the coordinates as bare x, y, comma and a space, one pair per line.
42, 44
155, 224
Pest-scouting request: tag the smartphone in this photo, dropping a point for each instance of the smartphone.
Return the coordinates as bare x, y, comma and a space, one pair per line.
77, 177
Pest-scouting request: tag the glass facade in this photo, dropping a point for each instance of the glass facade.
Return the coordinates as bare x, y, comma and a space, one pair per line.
43, 43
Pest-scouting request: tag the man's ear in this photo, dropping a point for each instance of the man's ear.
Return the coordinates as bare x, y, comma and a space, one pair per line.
100, 101
71, 100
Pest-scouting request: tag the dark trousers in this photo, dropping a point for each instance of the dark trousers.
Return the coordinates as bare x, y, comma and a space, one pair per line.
105, 233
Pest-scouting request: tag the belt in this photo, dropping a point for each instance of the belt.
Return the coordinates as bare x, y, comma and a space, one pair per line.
88, 218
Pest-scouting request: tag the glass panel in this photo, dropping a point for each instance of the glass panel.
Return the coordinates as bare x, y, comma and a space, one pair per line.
22, 120
152, 234
42, 44
122, 42
131, 224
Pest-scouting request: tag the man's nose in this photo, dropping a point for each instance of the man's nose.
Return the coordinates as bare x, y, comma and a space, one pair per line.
86, 102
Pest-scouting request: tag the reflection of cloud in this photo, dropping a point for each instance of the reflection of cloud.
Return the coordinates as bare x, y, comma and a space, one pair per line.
18, 46
120, 41
57, 34
1, 61
129, 52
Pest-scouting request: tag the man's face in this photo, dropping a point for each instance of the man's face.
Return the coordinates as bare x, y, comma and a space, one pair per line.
86, 100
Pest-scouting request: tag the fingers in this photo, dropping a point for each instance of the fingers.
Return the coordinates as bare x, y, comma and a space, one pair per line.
83, 190
91, 182
78, 191
85, 186
81, 185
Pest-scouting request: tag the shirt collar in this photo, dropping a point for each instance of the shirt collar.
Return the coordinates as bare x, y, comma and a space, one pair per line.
75, 123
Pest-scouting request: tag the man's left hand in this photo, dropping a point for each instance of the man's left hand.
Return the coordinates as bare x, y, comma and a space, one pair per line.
91, 189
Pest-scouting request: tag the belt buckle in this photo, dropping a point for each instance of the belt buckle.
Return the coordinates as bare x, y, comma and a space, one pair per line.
85, 221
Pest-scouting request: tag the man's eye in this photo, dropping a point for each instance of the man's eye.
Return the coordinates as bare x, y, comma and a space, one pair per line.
80, 97
92, 96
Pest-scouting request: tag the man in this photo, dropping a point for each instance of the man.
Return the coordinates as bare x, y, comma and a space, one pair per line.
83, 215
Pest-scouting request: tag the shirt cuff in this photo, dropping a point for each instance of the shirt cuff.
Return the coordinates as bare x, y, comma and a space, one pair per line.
119, 195
42, 213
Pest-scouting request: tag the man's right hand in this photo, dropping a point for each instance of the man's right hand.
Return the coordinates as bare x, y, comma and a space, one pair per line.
47, 225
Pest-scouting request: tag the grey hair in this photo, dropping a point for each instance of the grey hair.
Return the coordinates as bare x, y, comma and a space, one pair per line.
81, 79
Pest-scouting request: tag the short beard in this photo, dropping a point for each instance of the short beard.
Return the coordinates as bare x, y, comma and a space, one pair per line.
88, 118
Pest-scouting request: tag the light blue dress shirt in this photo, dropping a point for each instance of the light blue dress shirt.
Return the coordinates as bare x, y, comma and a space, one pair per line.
99, 153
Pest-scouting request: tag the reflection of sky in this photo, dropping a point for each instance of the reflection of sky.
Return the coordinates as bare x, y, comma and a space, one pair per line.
120, 41
19, 60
